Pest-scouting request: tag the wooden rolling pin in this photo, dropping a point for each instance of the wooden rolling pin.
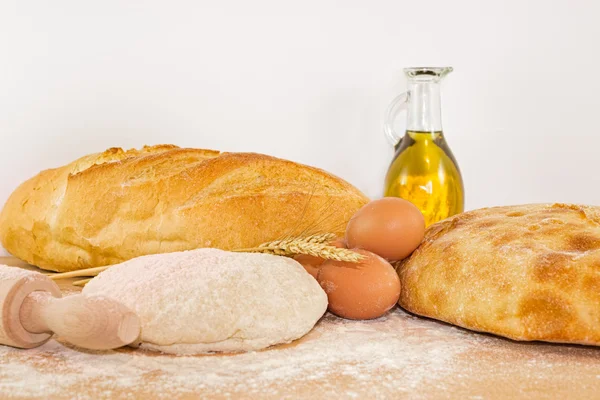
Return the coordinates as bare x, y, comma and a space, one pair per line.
31, 310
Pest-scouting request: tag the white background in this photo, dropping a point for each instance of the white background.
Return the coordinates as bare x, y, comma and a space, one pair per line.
308, 81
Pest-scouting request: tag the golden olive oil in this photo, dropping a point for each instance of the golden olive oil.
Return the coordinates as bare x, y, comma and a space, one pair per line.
425, 172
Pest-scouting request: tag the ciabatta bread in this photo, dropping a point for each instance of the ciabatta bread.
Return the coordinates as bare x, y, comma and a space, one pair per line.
528, 272
110, 207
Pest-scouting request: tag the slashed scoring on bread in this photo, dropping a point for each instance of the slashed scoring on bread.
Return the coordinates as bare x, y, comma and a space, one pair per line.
107, 208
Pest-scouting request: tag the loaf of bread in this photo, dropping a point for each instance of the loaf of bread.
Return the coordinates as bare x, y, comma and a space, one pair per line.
528, 272
110, 207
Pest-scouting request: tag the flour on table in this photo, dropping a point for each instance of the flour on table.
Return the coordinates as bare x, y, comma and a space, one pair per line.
397, 356
9, 273
352, 349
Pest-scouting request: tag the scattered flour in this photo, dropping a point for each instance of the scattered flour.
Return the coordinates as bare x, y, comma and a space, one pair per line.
392, 348
10, 273
398, 356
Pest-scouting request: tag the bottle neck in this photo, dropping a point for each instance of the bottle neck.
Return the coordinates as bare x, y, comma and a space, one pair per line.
424, 107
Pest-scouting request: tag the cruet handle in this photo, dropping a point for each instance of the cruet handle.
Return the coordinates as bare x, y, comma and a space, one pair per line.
396, 106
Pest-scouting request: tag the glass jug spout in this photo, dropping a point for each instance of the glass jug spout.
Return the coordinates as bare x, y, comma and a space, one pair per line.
422, 100
425, 73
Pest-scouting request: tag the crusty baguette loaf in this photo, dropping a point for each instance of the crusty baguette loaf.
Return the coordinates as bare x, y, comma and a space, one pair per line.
528, 272
110, 207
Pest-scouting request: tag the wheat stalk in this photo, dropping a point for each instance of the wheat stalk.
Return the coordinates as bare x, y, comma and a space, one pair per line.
314, 245
322, 238
79, 273
82, 282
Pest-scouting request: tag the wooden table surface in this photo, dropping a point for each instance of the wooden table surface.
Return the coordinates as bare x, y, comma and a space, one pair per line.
397, 356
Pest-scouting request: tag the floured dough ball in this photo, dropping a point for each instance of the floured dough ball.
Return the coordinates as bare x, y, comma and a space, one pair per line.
210, 300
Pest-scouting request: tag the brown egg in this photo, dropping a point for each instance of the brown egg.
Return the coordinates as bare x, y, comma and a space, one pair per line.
339, 242
390, 227
312, 264
362, 290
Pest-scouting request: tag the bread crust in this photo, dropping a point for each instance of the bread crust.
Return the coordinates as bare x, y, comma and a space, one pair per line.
113, 206
529, 272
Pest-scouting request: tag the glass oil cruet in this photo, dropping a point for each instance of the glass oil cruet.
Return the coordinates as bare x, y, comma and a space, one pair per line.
424, 170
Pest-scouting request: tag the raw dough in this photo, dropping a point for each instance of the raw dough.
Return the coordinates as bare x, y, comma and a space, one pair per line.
212, 300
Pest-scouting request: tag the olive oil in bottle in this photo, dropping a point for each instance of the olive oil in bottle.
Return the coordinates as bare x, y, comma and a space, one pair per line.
423, 171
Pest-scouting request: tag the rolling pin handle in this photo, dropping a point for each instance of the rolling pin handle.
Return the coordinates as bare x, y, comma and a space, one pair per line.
33, 311
91, 322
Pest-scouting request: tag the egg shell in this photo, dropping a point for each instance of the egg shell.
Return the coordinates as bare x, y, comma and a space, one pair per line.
364, 290
389, 227
339, 243
311, 264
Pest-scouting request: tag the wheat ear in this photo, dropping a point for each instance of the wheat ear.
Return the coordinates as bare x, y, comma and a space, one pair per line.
314, 245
